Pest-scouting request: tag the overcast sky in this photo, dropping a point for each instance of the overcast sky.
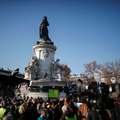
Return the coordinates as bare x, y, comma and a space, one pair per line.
82, 31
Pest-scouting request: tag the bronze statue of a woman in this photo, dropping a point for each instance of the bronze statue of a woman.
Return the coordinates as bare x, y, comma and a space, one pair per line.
43, 30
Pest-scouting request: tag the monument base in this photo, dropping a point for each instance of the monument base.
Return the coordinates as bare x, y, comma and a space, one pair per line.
47, 89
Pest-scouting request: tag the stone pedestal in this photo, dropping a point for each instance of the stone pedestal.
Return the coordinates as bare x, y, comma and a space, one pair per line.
40, 88
42, 63
45, 52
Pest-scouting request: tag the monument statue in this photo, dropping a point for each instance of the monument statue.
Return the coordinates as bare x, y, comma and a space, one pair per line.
32, 69
42, 65
43, 30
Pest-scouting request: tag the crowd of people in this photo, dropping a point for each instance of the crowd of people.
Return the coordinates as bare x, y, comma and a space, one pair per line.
69, 108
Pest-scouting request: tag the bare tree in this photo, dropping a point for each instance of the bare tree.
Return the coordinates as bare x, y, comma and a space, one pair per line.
66, 71
112, 69
109, 69
90, 69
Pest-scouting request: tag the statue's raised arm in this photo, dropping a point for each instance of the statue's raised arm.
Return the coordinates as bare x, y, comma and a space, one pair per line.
43, 30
